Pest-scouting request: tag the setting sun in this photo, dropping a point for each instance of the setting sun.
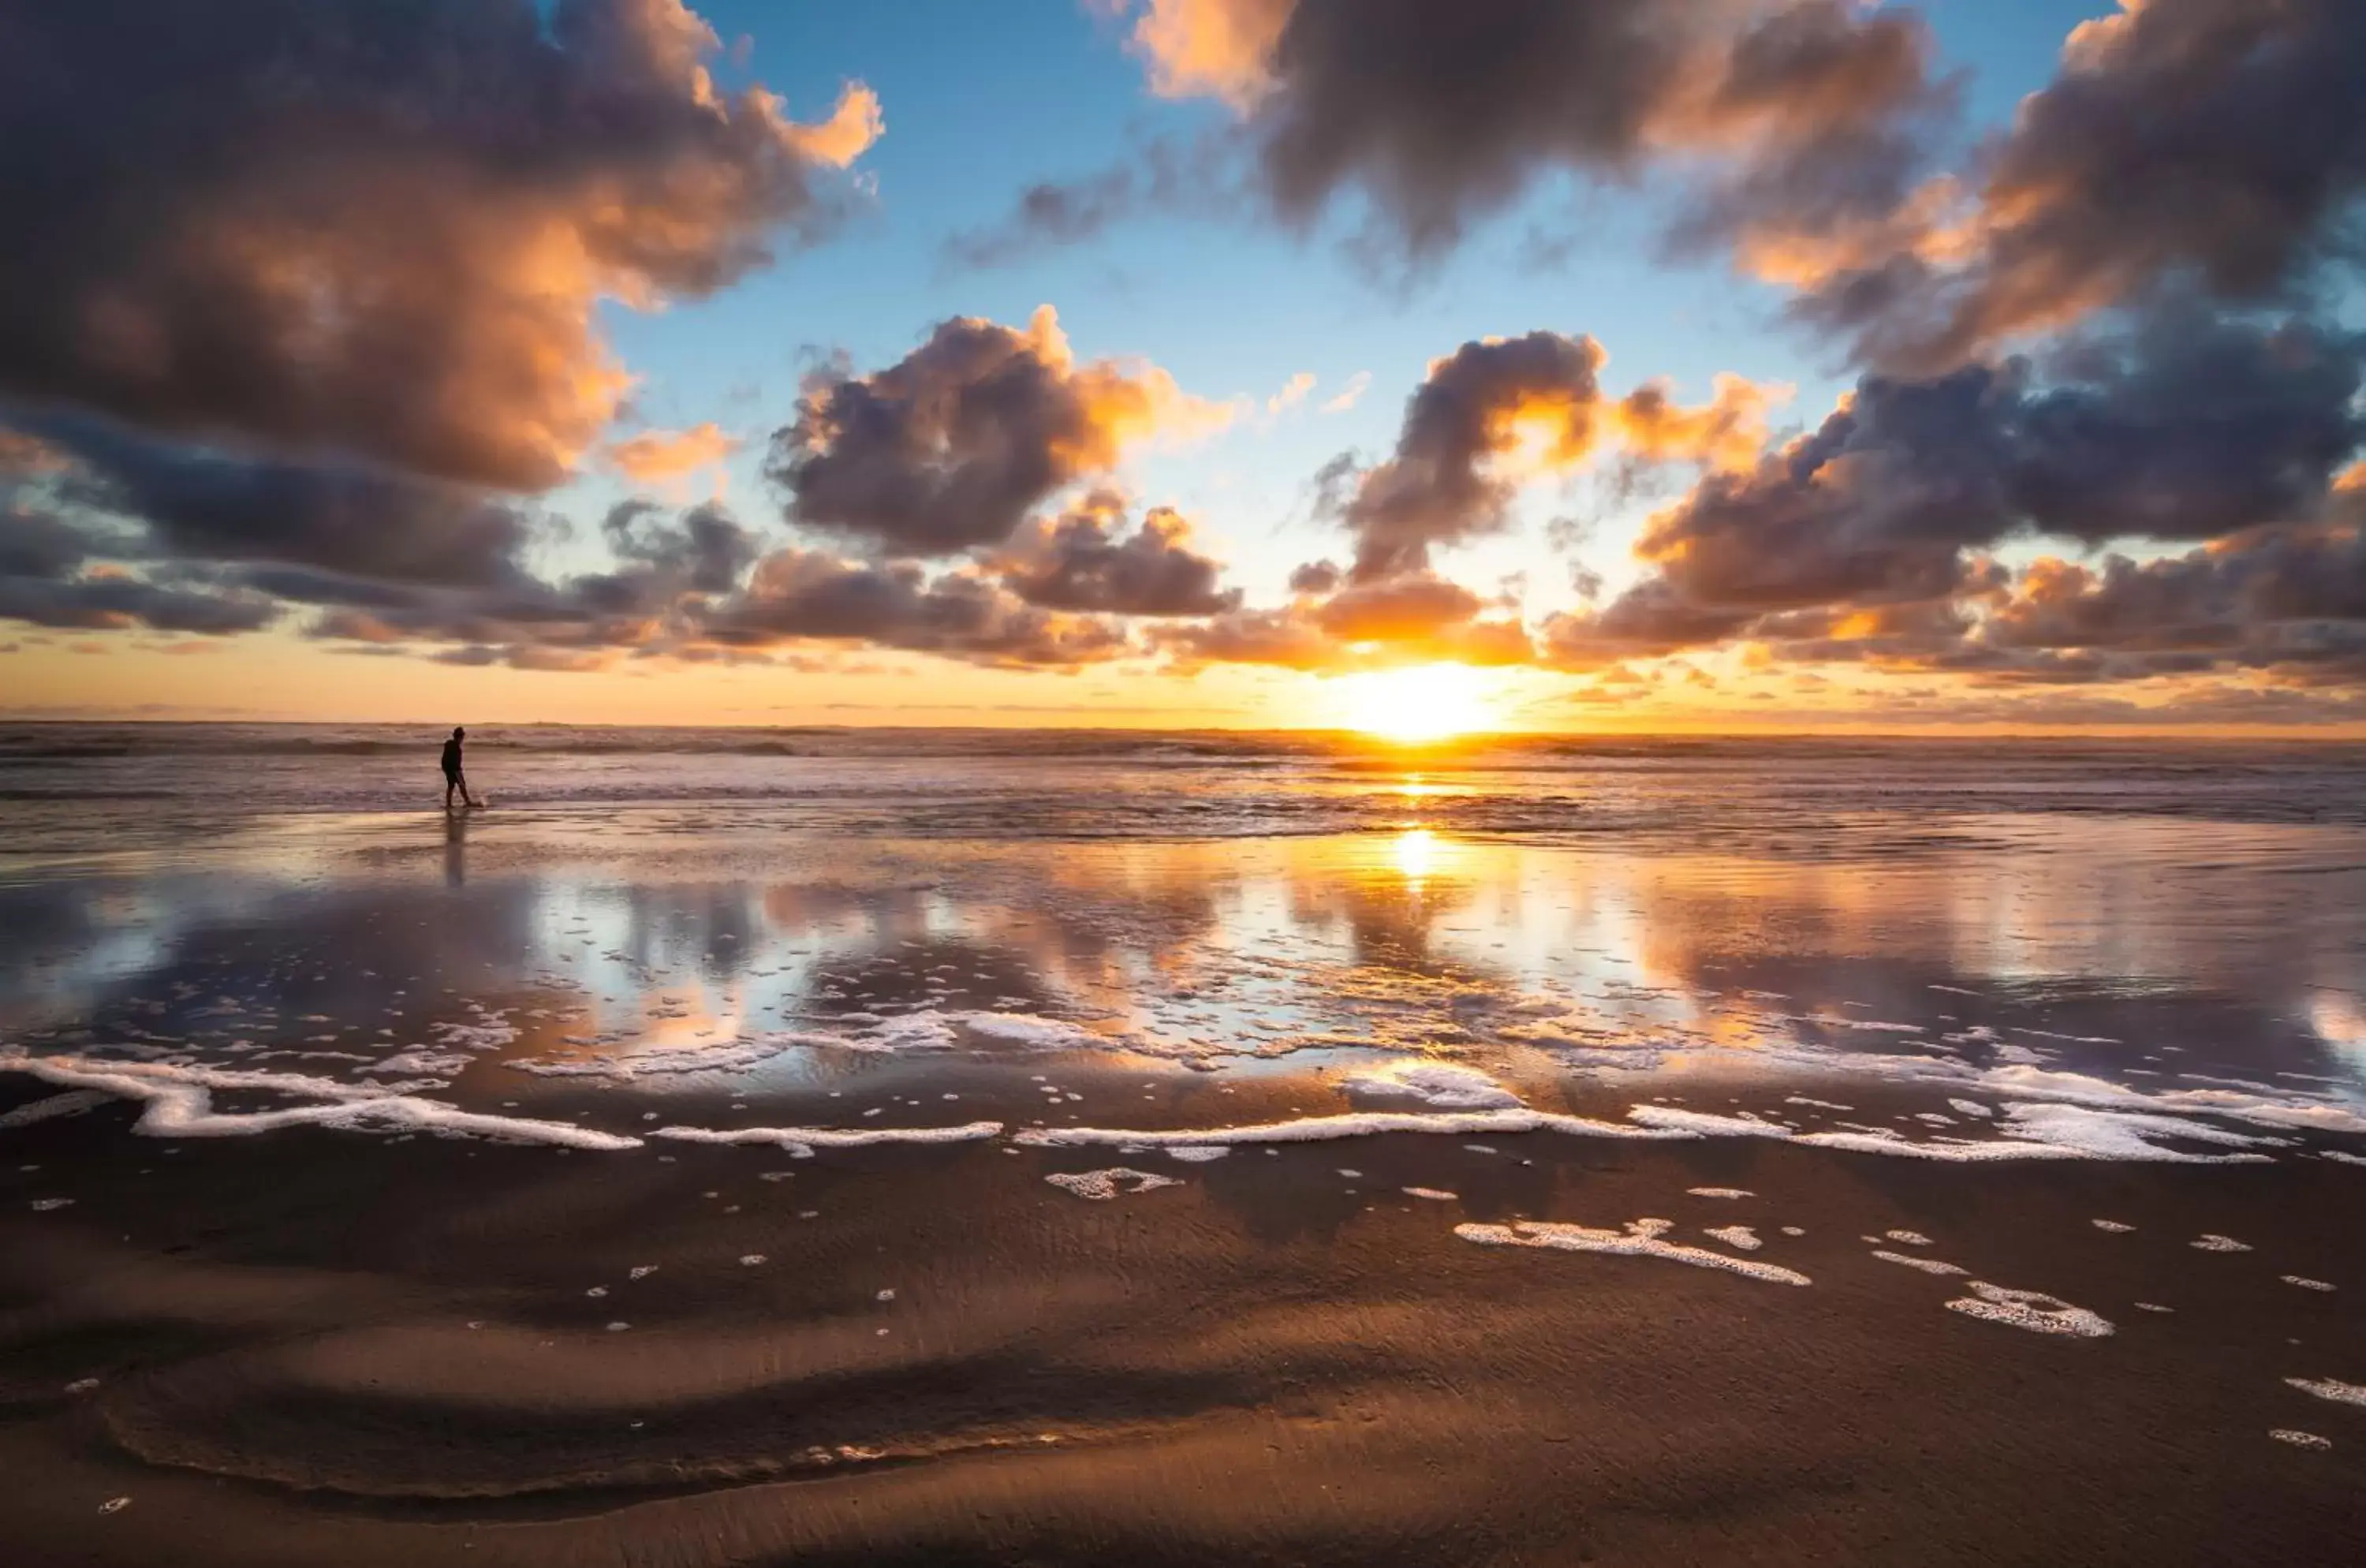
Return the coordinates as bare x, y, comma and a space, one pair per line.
1431, 703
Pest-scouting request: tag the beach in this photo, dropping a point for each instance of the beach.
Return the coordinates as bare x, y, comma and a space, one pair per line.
750, 1147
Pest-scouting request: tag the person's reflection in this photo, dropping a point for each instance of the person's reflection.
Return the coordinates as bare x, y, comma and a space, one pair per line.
456, 849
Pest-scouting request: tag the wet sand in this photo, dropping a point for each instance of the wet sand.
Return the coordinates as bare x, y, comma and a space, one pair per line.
314, 1348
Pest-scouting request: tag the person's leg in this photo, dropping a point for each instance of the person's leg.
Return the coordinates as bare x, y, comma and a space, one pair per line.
451, 783
467, 797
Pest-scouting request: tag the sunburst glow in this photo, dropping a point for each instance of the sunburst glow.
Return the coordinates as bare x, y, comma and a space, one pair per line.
1433, 702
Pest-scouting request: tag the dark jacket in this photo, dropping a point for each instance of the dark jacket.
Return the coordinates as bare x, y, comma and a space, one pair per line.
451, 756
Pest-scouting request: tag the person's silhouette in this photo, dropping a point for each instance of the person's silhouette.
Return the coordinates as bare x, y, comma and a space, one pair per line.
455, 775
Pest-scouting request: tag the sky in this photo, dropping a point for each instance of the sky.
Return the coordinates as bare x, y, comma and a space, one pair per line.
1559, 365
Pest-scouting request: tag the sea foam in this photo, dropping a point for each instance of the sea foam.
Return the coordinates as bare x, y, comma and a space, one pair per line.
179, 1104
1640, 1239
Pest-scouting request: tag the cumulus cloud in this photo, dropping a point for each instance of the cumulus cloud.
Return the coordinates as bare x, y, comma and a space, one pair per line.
2187, 428
1084, 561
705, 548
2209, 144
810, 596
102, 599
1498, 411
1869, 539
195, 504
670, 570
951, 447
1439, 115
335, 227
655, 456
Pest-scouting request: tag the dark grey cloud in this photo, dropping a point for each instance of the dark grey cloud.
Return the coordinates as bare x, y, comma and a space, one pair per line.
33, 544
1451, 478
110, 603
2293, 597
1162, 178
1083, 561
1436, 115
706, 548
199, 503
1648, 621
2218, 145
1436, 489
2187, 428
373, 227
951, 447
801, 596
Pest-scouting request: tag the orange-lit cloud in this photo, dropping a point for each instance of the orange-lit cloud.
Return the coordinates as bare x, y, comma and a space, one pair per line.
1211, 48
852, 127
384, 233
654, 457
1500, 411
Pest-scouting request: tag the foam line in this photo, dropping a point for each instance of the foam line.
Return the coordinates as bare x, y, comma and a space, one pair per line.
1355, 1124
794, 1138
1640, 1239
179, 1101
2328, 1388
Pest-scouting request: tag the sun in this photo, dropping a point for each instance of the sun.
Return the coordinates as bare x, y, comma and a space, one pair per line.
1433, 702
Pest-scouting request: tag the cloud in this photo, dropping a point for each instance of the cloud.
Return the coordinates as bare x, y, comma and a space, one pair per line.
654, 457
803, 595
705, 548
668, 571
2287, 599
338, 228
1398, 610
1498, 411
1415, 618
2217, 145
950, 448
1160, 178
1349, 395
1293, 393
95, 601
2184, 428
1646, 622
193, 503
852, 127
1080, 561
35, 545
1440, 115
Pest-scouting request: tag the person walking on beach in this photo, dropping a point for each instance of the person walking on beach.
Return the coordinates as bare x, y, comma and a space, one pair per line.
455, 775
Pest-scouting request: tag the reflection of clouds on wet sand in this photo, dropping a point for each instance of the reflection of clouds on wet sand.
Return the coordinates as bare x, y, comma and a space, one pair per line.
1543, 968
